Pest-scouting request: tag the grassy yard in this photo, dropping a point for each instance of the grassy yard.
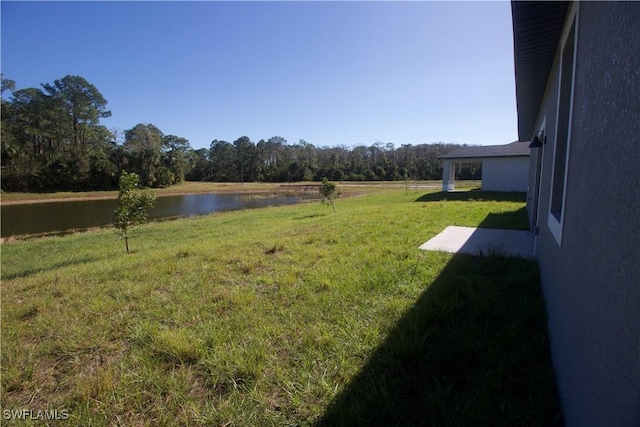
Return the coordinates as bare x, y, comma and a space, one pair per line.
280, 316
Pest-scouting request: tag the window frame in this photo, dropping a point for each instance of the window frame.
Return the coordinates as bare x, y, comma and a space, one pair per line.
556, 224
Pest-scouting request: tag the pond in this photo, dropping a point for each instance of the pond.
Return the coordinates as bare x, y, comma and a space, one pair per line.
39, 218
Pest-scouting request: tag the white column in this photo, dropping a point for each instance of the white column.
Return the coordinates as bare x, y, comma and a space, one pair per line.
448, 175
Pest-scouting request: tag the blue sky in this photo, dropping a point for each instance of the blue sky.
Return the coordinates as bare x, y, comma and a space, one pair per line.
331, 73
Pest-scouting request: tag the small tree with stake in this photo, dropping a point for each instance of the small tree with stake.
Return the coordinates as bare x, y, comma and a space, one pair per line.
131, 210
329, 193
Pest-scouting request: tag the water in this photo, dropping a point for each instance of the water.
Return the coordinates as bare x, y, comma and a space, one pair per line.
37, 218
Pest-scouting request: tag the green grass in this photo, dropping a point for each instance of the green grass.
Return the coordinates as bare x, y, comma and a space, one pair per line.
280, 316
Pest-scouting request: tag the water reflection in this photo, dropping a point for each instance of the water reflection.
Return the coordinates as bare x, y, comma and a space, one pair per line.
39, 218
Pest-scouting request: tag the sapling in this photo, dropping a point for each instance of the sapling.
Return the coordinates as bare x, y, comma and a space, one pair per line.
329, 193
132, 207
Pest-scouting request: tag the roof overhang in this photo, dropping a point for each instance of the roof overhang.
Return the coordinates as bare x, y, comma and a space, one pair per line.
537, 27
480, 152
478, 159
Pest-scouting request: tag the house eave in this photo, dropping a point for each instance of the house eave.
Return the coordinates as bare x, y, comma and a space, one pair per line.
514, 149
481, 158
537, 27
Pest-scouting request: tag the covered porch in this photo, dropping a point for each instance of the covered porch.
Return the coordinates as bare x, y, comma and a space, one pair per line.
504, 167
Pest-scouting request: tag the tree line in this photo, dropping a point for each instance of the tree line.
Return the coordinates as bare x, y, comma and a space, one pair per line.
52, 140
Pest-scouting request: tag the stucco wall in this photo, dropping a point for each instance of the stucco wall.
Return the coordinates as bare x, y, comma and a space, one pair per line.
505, 174
592, 282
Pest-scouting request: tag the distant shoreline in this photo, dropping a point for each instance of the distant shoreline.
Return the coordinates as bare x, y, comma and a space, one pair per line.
195, 187
188, 188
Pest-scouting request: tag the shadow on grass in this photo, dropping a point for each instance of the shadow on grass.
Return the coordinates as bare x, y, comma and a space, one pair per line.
31, 271
313, 215
512, 220
471, 195
472, 350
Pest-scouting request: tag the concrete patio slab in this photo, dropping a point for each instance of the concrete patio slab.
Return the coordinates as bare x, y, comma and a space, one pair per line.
474, 241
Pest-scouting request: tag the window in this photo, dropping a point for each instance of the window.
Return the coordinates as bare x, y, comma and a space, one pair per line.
563, 132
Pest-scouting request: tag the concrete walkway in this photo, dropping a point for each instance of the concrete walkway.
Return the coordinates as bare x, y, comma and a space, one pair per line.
474, 241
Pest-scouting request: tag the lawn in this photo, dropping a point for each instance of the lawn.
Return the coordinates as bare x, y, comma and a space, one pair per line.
281, 316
